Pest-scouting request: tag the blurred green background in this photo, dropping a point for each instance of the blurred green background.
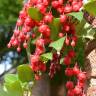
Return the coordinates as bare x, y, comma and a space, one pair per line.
9, 58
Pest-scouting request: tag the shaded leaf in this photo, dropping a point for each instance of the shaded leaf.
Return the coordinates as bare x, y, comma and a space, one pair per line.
55, 28
85, 30
35, 14
80, 58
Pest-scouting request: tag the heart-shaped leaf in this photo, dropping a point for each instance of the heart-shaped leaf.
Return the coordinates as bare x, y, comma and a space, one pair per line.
58, 44
14, 89
10, 78
25, 73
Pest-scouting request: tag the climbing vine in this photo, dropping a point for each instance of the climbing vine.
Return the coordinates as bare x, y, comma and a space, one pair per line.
53, 33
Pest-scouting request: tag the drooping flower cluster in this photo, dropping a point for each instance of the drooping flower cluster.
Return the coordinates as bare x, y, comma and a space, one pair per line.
24, 31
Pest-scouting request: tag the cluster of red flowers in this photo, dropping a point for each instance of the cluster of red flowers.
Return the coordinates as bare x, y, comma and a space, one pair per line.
23, 32
75, 89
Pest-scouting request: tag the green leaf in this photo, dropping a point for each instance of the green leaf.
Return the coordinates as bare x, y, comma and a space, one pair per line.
91, 7
58, 44
90, 34
3, 92
14, 89
61, 60
10, 78
80, 28
35, 14
25, 73
13, 86
91, 0
47, 56
55, 28
77, 15
85, 30
80, 56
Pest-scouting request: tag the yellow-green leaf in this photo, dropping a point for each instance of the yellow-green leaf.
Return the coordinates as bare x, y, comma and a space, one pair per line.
35, 14
91, 7
25, 73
